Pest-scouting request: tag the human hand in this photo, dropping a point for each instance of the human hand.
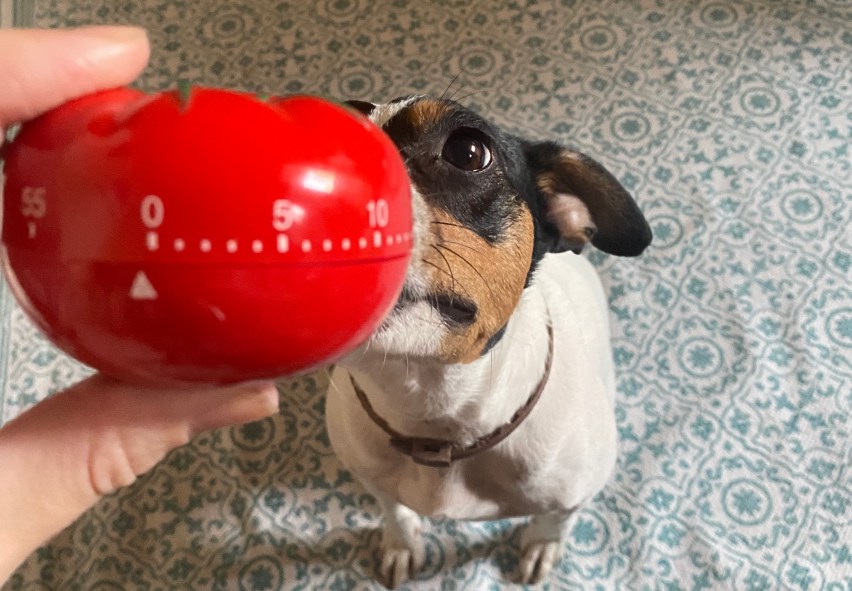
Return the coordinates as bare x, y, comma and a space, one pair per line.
60, 457
43, 68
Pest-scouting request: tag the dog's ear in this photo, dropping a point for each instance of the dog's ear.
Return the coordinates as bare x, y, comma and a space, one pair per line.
584, 203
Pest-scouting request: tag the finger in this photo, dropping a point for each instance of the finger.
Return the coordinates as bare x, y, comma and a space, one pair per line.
42, 68
117, 431
58, 458
228, 406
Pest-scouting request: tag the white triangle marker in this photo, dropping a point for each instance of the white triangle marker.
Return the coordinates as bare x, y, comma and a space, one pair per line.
142, 288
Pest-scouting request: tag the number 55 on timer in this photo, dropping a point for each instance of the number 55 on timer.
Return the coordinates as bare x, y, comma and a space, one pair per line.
204, 237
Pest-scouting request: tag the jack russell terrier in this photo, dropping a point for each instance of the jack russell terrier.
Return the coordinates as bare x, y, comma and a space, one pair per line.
488, 392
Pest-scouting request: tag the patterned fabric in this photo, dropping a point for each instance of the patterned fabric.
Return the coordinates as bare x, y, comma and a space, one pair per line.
730, 121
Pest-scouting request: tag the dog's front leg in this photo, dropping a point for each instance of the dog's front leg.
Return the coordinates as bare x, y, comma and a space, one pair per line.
402, 550
541, 544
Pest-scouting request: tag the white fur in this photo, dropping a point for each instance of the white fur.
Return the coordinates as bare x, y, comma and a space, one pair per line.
560, 456
416, 329
383, 113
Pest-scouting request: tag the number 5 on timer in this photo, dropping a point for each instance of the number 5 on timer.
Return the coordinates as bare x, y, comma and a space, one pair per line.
145, 247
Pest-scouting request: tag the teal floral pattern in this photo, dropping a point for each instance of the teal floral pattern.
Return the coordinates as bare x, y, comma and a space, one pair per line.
730, 122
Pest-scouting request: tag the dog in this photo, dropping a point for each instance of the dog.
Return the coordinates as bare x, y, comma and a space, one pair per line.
488, 392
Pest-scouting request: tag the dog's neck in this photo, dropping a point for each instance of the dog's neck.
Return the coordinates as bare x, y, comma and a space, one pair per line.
426, 398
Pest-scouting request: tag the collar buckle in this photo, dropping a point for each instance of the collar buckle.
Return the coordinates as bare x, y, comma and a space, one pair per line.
436, 453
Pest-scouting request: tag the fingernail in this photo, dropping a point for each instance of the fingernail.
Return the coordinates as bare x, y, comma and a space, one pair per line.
117, 34
272, 401
271, 397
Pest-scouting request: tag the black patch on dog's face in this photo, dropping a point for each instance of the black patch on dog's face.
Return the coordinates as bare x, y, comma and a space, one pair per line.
430, 136
363, 106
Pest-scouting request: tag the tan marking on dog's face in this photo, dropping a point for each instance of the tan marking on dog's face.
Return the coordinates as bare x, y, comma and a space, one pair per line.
492, 276
426, 113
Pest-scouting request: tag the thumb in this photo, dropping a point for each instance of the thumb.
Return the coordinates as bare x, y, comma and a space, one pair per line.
59, 457
43, 68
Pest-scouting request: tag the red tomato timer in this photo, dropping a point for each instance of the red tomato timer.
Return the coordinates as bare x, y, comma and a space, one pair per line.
204, 237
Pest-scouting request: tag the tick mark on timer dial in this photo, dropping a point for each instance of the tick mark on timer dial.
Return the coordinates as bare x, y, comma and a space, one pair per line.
153, 213
282, 243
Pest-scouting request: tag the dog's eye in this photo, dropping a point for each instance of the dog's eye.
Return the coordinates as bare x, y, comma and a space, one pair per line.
467, 151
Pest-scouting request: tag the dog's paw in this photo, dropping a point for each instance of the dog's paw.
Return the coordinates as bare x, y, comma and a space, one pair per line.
541, 545
537, 560
400, 565
402, 552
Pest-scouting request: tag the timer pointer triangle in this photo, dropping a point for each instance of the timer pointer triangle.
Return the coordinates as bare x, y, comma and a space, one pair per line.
142, 289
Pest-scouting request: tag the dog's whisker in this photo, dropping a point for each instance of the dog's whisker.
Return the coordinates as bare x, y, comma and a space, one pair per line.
449, 268
331, 382
526, 343
453, 81
453, 291
420, 317
366, 348
452, 225
468, 246
438, 267
461, 84
384, 361
438, 326
491, 369
472, 266
470, 94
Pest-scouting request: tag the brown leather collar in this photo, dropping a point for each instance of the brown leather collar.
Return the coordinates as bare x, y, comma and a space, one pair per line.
441, 453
